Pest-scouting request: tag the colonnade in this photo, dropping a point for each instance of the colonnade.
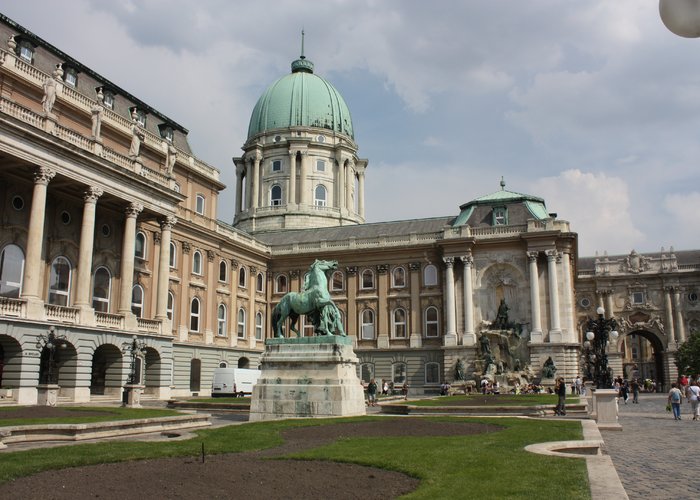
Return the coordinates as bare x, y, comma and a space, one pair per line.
31, 286
557, 333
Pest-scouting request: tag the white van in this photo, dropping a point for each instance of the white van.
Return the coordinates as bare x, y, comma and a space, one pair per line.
233, 382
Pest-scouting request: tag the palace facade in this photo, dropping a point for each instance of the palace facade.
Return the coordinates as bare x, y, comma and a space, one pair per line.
109, 234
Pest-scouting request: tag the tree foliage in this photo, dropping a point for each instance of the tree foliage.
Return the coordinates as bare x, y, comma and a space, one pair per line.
688, 355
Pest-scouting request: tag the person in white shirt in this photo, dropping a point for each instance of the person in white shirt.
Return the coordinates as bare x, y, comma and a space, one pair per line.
692, 392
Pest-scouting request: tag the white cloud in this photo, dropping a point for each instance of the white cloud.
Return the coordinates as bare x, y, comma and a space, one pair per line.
596, 205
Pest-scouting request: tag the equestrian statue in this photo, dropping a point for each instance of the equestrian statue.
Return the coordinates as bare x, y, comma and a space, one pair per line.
314, 301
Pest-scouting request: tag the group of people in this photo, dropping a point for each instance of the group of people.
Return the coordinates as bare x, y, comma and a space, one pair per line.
688, 388
488, 387
373, 389
624, 387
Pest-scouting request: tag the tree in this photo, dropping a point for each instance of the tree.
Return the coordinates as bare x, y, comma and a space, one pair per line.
688, 355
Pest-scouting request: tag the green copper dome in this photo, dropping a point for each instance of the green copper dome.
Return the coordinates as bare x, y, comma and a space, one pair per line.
301, 99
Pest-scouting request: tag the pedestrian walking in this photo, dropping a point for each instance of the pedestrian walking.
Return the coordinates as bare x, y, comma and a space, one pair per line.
560, 390
635, 391
372, 393
692, 392
675, 398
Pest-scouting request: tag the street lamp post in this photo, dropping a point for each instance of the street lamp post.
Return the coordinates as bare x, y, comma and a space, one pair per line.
595, 356
51, 341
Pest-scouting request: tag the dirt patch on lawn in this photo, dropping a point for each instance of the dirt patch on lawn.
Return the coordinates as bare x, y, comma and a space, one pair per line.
246, 475
489, 400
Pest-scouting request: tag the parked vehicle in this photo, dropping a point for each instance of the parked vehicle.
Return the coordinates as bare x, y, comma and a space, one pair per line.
233, 382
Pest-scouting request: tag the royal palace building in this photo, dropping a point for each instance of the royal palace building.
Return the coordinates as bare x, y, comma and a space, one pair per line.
109, 236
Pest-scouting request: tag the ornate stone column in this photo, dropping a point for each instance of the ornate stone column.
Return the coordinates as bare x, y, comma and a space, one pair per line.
292, 192
127, 259
450, 338
555, 326
383, 319
349, 185
255, 198
35, 236
416, 336
252, 290
680, 328
166, 226
670, 331
341, 184
303, 180
361, 192
609, 304
536, 332
209, 314
87, 238
240, 174
569, 307
469, 335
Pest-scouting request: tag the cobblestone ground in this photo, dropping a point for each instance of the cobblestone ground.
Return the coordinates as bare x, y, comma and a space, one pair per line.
656, 456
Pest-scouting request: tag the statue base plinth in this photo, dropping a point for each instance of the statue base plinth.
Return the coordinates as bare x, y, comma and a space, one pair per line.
307, 377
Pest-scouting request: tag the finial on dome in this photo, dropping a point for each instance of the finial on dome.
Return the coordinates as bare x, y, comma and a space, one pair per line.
503, 184
302, 64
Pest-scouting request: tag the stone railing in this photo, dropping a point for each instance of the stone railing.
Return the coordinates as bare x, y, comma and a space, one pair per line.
149, 325
12, 307
21, 113
61, 313
73, 137
356, 243
63, 92
108, 320
236, 235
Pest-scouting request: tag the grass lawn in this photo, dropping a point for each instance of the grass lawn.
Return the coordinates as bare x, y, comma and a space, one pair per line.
235, 401
106, 414
492, 465
493, 400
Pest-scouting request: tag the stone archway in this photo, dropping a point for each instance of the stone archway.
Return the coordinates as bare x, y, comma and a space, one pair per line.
643, 356
10, 362
106, 376
152, 374
243, 362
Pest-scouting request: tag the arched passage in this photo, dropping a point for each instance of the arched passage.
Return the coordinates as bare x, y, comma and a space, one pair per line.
63, 370
243, 362
153, 373
10, 362
106, 378
643, 357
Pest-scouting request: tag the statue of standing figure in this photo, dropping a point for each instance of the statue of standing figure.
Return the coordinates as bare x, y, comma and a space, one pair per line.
502, 315
459, 370
485, 345
49, 98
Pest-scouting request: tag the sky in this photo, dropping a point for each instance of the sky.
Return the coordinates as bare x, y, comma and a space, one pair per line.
592, 105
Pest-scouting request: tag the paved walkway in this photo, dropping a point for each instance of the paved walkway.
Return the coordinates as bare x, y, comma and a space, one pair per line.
656, 456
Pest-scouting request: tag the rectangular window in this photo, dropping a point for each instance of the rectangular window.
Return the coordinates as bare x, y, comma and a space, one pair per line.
276, 166
71, 77
320, 166
108, 100
638, 297
500, 216
26, 52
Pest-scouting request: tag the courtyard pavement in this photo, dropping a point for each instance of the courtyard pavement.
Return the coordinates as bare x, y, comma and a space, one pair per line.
655, 456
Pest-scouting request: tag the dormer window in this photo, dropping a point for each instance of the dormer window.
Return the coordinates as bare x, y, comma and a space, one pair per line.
108, 99
26, 51
139, 115
500, 216
166, 132
70, 77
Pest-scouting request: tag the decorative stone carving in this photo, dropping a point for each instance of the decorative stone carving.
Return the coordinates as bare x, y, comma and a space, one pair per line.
92, 194
186, 247
449, 261
210, 255
351, 270
168, 222
234, 264
137, 135
382, 268
294, 273
43, 175
413, 266
133, 209
170, 158
635, 263
49, 98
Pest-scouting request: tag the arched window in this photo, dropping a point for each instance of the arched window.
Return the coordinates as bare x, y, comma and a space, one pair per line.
221, 321
242, 277
260, 283
241, 323
337, 281
11, 271
59, 282
223, 271
170, 310
275, 196
432, 373
259, 325
367, 324
140, 245
430, 275
398, 321
199, 206
173, 255
101, 282
281, 284
194, 315
197, 262
367, 281
398, 277
398, 373
432, 327
137, 301
320, 196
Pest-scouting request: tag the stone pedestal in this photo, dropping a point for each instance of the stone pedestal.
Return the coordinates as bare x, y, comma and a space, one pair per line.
131, 397
605, 401
307, 377
47, 394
